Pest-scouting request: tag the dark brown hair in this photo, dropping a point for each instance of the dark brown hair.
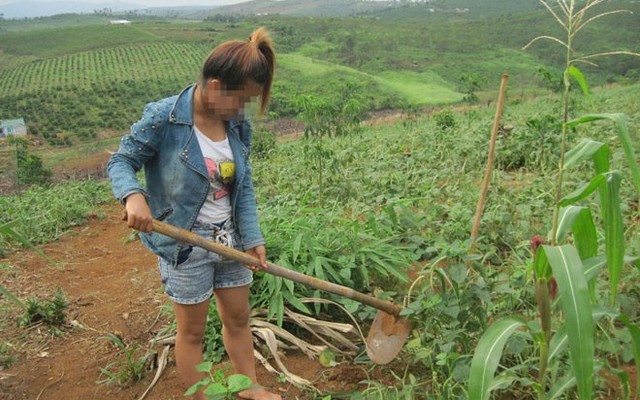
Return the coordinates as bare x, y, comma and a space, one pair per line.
235, 62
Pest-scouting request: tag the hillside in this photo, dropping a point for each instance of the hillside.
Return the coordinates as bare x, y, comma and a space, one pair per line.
100, 76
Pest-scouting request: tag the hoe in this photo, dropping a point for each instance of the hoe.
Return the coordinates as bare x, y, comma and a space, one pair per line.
388, 332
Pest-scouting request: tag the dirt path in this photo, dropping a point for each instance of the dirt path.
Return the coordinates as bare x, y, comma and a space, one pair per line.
112, 287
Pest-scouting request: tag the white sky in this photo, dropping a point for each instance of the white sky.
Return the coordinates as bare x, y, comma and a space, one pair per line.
149, 3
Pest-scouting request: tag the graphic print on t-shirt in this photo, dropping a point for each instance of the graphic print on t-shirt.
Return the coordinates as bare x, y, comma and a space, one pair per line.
221, 175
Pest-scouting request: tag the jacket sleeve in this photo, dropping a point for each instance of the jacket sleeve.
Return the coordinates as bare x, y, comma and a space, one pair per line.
246, 210
136, 148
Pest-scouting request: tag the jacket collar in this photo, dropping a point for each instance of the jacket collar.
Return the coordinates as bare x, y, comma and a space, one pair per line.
182, 110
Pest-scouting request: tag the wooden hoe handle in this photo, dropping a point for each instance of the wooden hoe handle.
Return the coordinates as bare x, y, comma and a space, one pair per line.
183, 235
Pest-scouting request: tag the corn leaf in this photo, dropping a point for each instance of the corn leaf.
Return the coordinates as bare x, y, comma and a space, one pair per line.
487, 355
586, 149
577, 75
579, 221
583, 191
576, 306
613, 232
620, 121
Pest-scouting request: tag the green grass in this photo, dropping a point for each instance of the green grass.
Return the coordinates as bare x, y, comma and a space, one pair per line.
420, 89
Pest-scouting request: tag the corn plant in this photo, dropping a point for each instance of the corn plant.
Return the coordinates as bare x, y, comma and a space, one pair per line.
573, 267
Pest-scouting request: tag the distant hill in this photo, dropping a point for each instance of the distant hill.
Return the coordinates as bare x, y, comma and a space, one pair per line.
309, 8
337, 8
32, 9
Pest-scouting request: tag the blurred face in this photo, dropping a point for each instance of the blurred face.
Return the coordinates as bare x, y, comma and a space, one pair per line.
229, 103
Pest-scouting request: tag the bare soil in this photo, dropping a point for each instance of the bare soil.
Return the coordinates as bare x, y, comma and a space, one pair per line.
112, 287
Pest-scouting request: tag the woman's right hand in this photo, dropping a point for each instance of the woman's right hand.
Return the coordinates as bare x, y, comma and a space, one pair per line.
137, 213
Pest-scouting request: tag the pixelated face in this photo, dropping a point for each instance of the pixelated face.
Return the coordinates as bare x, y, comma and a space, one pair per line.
229, 103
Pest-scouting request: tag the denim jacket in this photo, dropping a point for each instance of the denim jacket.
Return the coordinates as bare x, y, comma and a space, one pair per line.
164, 143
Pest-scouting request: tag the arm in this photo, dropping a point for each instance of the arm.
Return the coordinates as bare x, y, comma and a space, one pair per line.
136, 148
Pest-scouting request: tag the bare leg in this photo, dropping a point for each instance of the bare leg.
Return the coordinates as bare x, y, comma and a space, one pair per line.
192, 321
233, 306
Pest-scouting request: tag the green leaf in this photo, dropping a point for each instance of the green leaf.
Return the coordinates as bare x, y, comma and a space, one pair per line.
577, 75
293, 300
576, 306
620, 121
204, 367
238, 382
197, 386
216, 390
327, 358
613, 232
583, 191
560, 387
487, 355
541, 265
586, 149
593, 265
579, 221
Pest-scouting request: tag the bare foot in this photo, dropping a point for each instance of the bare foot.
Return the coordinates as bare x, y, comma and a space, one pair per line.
258, 393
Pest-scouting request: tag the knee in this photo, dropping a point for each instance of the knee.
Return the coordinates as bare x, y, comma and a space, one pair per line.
236, 321
191, 334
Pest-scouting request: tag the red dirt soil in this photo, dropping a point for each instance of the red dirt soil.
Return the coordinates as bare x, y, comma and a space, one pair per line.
112, 287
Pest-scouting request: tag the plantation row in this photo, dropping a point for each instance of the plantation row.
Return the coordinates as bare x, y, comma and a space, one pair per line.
106, 66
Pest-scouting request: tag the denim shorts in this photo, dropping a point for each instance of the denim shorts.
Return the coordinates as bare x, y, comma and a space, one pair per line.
199, 271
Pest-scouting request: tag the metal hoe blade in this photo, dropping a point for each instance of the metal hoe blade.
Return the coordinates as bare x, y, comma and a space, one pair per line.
386, 337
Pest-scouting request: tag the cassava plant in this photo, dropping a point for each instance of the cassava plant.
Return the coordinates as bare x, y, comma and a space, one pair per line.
570, 262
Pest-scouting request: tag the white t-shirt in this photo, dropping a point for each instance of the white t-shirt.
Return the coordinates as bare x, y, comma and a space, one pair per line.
221, 167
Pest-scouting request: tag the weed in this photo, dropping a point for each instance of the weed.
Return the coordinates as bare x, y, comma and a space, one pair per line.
49, 312
128, 368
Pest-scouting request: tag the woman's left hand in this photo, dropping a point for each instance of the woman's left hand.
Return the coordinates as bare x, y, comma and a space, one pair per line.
260, 252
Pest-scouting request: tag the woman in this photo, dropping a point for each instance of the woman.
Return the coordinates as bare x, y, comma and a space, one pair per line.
194, 148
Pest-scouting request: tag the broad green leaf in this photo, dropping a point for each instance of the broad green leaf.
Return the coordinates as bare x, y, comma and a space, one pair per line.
11, 297
577, 75
614, 233
583, 191
584, 150
576, 306
238, 382
216, 390
487, 355
620, 121
197, 386
579, 221
204, 367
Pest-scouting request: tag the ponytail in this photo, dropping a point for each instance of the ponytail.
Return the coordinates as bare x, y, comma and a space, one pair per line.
235, 62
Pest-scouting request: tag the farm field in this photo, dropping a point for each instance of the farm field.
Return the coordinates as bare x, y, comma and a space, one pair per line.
368, 171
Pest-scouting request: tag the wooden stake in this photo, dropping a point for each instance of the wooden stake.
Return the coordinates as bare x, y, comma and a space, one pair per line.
487, 174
